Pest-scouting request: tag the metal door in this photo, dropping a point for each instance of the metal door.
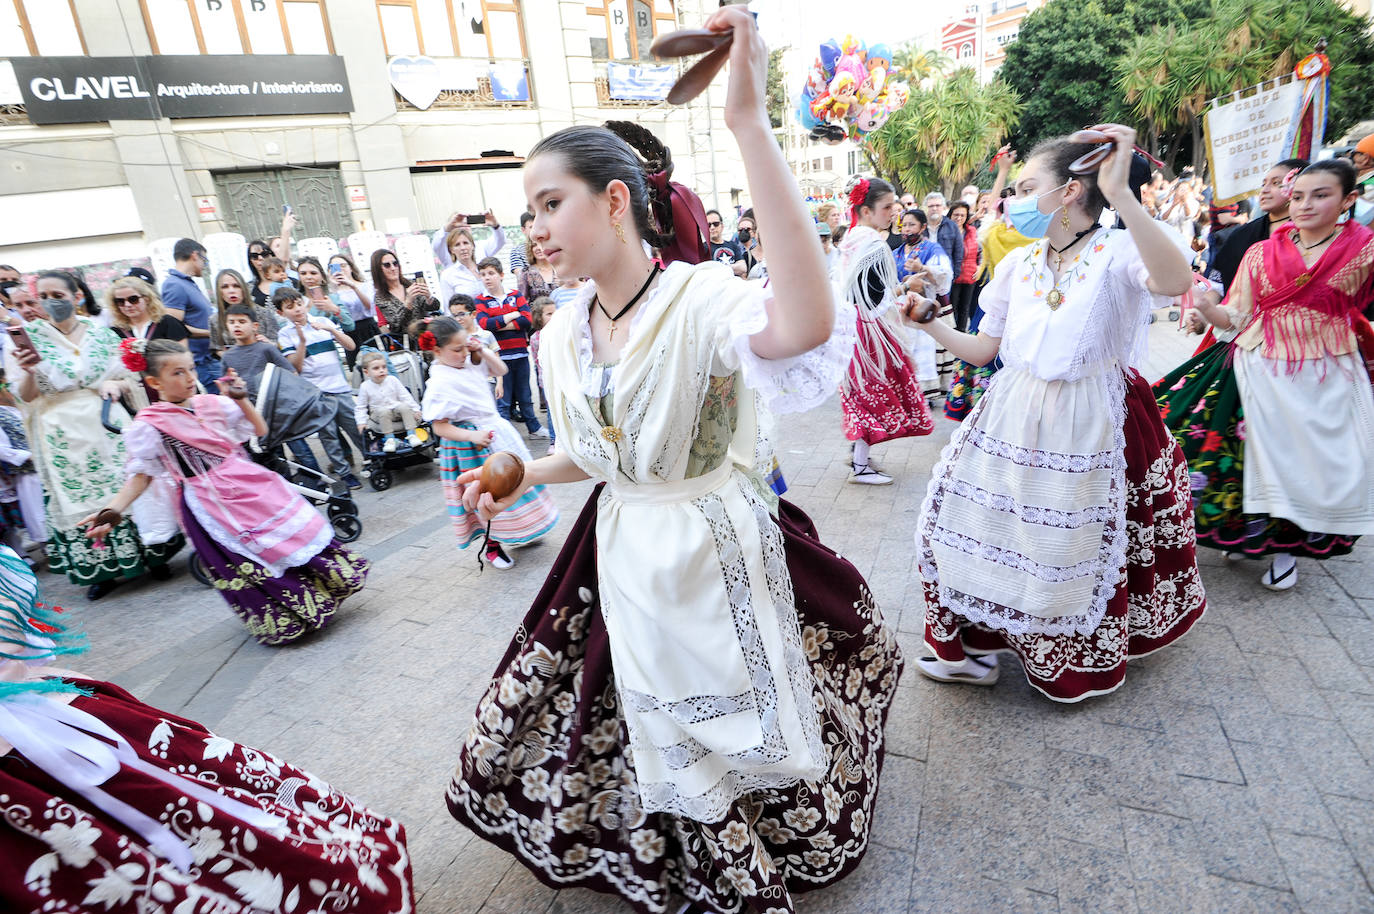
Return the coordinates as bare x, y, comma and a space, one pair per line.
252, 201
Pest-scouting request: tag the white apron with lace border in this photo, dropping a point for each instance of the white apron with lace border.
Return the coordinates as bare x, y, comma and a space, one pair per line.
1023, 528
693, 583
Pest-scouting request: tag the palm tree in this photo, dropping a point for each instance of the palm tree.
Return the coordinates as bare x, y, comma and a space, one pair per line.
945, 131
914, 66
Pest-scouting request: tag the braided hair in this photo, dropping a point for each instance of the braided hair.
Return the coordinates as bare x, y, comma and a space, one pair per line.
619, 151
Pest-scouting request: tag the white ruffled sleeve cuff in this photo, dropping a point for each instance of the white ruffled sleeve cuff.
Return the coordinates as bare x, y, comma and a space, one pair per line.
143, 445
791, 385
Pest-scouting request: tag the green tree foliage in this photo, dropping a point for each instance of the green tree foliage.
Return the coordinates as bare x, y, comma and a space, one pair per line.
913, 64
1167, 76
944, 132
1062, 61
775, 90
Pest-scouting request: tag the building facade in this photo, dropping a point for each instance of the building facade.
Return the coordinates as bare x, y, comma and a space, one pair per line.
441, 100
979, 36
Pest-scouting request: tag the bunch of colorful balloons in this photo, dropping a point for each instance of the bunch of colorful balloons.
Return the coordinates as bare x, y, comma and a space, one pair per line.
848, 92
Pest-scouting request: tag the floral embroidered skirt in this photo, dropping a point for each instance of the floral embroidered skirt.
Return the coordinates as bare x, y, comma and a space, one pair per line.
545, 772
1201, 404
967, 387
124, 554
59, 853
532, 516
278, 610
879, 408
1157, 602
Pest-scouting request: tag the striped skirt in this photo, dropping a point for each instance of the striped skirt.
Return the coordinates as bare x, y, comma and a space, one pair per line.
532, 516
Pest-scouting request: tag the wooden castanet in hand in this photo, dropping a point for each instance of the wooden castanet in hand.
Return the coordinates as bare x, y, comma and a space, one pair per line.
685, 43
502, 474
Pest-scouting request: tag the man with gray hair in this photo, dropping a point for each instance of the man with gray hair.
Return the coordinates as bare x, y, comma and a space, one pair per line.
943, 231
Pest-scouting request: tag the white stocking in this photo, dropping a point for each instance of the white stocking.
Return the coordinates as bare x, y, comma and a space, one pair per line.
860, 454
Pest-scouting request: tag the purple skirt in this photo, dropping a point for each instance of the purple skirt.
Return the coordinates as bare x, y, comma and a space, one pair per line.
277, 610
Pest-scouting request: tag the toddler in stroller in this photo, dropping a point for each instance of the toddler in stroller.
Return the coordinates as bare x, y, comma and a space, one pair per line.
388, 395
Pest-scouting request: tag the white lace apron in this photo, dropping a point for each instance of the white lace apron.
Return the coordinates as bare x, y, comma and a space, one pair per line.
693, 583
1024, 524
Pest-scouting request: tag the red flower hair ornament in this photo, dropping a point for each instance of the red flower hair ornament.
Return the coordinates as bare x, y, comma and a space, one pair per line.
131, 354
857, 195
427, 342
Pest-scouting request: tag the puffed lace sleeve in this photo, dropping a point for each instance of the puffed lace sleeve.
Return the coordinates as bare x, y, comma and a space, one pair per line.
1128, 267
738, 309
143, 447
996, 296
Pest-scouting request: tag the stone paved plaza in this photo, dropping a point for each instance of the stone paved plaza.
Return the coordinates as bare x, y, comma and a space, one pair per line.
1231, 773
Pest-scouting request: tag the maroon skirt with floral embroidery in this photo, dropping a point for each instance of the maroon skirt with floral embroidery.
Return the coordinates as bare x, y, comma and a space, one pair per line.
1158, 601
60, 854
544, 772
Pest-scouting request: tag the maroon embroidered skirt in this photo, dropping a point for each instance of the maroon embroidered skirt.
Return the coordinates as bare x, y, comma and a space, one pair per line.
1159, 600
545, 773
59, 854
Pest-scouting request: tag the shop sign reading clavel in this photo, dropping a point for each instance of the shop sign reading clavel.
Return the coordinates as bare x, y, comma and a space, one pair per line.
73, 90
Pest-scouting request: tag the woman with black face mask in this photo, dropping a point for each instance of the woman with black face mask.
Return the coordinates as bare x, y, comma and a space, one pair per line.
62, 369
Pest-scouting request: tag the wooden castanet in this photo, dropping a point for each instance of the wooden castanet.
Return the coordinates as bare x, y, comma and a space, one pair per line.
685, 43
502, 474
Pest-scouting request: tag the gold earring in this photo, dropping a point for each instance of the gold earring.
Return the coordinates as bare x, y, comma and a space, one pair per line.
1064, 220
620, 231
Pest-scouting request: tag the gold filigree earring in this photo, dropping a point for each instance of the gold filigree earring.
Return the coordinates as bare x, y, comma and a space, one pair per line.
1064, 219
620, 232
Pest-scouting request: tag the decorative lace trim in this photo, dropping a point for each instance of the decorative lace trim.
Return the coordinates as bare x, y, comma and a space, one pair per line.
804, 381
713, 804
1108, 568
1042, 460
1031, 514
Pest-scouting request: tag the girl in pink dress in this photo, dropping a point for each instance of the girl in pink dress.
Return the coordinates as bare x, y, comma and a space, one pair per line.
273, 557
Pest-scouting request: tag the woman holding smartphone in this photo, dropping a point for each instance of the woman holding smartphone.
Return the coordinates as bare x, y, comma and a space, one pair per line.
355, 294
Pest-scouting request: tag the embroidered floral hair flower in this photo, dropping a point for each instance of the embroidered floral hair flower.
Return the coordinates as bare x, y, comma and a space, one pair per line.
131, 354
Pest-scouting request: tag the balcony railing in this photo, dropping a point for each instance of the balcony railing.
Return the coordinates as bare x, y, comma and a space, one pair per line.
484, 96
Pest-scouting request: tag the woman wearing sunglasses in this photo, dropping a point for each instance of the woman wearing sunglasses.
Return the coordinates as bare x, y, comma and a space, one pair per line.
136, 311
1058, 524
399, 300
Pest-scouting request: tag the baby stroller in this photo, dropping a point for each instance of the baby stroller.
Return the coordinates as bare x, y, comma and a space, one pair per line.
294, 409
407, 366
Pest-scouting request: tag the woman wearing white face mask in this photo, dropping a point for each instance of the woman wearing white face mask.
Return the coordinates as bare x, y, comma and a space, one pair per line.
1058, 523
73, 365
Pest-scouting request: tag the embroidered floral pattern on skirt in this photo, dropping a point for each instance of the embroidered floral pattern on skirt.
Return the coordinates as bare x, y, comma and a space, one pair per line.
1158, 600
124, 554
277, 610
60, 854
877, 408
1200, 402
545, 773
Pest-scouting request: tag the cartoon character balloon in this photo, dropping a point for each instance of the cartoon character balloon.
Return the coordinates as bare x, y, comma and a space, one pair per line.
849, 91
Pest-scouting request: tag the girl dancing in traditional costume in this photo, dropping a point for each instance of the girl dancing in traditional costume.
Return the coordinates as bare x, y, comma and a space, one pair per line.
107, 804
273, 557
880, 396
695, 703
1058, 523
1277, 421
